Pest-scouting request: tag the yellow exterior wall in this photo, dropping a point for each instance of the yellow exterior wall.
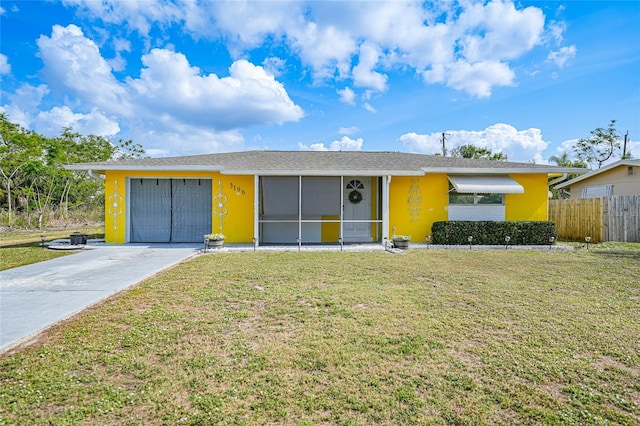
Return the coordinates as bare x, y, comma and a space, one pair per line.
233, 213
533, 204
415, 202
232, 199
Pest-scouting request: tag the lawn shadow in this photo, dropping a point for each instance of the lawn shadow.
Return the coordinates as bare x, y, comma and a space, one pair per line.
622, 254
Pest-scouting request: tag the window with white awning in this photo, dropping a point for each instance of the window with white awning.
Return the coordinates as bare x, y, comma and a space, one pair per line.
480, 197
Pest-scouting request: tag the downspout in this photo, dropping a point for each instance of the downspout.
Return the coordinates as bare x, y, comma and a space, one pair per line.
93, 175
558, 180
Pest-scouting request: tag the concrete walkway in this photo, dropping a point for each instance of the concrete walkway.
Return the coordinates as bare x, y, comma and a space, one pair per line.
34, 297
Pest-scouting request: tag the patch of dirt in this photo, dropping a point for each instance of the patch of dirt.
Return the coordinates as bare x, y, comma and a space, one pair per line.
555, 390
608, 362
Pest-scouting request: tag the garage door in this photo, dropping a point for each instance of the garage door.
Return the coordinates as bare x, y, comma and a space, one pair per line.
169, 210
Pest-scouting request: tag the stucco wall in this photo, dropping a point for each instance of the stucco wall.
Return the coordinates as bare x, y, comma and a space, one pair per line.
232, 198
623, 183
415, 202
533, 204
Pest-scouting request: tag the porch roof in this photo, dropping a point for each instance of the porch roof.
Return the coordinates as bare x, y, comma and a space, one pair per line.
323, 163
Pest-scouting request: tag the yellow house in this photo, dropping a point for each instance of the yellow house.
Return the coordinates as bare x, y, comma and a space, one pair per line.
307, 197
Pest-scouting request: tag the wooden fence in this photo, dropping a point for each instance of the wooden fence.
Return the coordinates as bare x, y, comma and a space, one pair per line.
614, 218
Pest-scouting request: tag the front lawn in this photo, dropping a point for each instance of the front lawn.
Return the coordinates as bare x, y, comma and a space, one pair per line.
18, 248
429, 337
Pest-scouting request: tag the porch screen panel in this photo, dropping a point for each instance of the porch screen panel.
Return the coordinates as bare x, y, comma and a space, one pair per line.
279, 197
191, 208
321, 196
279, 207
150, 213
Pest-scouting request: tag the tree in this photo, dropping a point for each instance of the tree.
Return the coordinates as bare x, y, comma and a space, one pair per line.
564, 160
600, 146
472, 151
32, 176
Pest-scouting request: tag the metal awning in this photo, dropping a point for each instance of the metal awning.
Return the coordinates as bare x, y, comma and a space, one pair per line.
485, 185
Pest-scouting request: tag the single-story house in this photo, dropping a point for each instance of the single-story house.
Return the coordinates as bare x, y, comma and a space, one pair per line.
307, 197
618, 178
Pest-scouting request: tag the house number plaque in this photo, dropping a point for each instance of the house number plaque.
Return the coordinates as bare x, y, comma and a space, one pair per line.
237, 189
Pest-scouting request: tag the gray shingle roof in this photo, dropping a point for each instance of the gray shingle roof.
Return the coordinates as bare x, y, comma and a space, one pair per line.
321, 162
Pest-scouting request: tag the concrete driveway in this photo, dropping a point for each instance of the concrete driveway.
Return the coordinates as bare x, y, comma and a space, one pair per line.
34, 297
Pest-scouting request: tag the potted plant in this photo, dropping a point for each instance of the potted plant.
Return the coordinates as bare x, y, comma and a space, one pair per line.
401, 241
214, 240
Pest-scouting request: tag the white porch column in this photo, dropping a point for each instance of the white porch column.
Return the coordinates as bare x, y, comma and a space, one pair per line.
256, 209
386, 182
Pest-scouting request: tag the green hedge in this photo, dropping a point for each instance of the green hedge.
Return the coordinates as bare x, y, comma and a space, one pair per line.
456, 232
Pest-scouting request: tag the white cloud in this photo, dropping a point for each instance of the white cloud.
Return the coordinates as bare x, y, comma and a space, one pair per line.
5, 66
556, 31
427, 144
274, 66
369, 107
347, 96
344, 144
186, 140
171, 103
24, 103
363, 74
477, 78
73, 64
95, 122
562, 56
517, 145
348, 130
497, 31
440, 40
248, 96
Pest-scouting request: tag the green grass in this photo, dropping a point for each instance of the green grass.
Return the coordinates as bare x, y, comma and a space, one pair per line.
18, 248
429, 337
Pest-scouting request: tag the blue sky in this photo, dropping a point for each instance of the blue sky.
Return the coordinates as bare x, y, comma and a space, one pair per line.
183, 77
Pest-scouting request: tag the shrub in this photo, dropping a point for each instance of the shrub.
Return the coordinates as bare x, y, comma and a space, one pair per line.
456, 232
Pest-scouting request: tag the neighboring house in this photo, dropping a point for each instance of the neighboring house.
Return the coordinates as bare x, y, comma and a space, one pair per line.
619, 178
307, 197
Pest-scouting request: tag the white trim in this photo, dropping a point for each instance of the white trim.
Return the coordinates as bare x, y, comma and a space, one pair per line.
325, 172
386, 183
501, 170
341, 208
256, 209
132, 167
127, 213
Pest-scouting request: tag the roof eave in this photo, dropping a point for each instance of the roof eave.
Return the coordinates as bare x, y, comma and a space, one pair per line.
328, 172
153, 168
501, 170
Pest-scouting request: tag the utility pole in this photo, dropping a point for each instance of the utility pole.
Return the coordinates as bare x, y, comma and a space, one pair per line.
624, 146
444, 145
